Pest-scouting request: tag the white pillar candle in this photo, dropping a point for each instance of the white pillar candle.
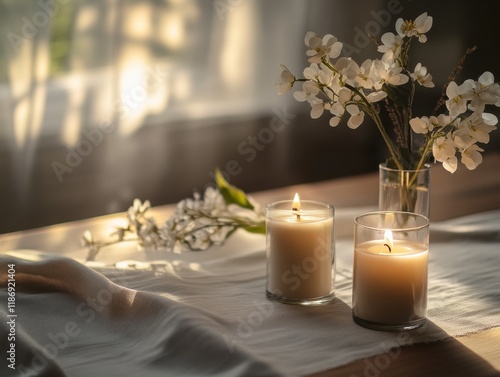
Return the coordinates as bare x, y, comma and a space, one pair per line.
300, 252
390, 276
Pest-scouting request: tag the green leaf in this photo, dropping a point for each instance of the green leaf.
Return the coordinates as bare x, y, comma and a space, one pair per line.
231, 194
398, 94
257, 228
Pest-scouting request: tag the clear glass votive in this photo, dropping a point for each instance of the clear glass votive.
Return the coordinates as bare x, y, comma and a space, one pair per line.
390, 270
300, 252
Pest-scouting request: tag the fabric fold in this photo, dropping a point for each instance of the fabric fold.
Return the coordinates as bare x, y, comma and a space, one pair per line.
90, 324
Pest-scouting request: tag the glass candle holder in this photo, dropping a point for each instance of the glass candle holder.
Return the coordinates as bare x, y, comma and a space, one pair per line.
390, 270
300, 252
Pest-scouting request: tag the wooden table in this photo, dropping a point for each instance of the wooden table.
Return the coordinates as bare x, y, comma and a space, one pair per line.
452, 195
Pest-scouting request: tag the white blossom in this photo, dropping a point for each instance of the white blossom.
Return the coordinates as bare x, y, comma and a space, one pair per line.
391, 46
348, 68
309, 91
442, 120
458, 96
443, 150
137, 210
489, 119
315, 73
364, 77
471, 156
357, 116
451, 164
421, 76
415, 28
317, 108
286, 80
334, 121
485, 92
320, 47
338, 108
383, 73
421, 125
476, 127
425, 125
376, 96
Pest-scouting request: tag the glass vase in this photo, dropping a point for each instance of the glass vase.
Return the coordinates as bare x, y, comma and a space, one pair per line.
404, 190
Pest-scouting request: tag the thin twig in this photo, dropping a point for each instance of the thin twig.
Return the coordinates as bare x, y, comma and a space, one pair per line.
375, 40
451, 78
393, 116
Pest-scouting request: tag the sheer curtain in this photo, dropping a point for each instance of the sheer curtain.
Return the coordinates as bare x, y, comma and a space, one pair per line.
126, 60
23, 88
71, 68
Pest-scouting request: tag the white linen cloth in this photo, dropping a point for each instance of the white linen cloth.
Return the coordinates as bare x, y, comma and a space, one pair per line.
205, 314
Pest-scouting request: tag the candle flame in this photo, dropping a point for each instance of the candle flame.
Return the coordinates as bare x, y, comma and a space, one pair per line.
389, 240
296, 202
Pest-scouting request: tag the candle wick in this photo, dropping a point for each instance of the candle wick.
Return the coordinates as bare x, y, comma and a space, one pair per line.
296, 210
388, 247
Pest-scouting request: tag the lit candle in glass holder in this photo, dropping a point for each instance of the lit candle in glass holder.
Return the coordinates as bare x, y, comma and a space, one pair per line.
300, 251
390, 270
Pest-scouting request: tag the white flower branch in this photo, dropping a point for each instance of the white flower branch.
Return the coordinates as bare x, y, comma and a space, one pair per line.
198, 222
348, 90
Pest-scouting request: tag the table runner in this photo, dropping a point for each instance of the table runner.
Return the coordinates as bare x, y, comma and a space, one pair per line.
205, 314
